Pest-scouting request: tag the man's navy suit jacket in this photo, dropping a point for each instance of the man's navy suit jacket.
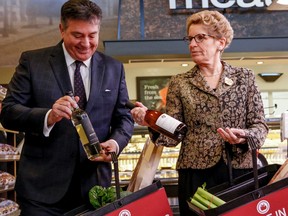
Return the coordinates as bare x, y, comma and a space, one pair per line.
47, 164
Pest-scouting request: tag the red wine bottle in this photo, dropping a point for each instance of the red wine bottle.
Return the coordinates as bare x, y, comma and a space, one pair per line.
163, 123
85, 130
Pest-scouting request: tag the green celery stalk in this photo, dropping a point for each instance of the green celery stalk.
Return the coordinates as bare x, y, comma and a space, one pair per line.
198, 204
204, 201
214, 199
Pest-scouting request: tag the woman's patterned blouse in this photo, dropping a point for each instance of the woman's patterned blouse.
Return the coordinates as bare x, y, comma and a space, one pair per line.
236, 103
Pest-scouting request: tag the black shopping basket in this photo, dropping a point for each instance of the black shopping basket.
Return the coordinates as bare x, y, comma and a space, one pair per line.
250, 194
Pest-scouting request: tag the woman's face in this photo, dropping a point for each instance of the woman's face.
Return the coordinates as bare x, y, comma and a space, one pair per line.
206, 51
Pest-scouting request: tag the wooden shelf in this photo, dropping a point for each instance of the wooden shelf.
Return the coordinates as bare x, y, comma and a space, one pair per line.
10, 167
273, 123
9, 158
6, 188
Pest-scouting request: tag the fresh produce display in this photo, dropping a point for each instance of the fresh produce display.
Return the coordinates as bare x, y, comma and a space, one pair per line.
100, 196
205, 200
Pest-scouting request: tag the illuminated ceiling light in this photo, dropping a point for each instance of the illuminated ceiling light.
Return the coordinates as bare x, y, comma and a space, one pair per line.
278, 5
270, 77
260, 62
184, 65
282, 2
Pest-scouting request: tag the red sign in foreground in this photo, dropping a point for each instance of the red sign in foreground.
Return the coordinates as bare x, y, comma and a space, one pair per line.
155, 203
274, 204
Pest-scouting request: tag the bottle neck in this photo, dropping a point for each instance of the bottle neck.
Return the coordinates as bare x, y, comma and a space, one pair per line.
77, 106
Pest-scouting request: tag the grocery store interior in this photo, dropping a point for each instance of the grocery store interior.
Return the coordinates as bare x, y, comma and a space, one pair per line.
154, 50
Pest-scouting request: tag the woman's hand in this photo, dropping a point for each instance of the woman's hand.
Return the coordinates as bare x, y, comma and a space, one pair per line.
232, 135
138, 114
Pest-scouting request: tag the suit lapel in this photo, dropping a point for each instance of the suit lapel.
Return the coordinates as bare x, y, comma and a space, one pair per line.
97, 76
60, 71
59, 68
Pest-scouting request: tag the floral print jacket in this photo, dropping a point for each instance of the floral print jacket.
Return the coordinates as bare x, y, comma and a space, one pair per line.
236, 103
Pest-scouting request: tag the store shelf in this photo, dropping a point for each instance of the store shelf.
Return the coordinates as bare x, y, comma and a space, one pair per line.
9, 158
6, 188
273, 149
9, 161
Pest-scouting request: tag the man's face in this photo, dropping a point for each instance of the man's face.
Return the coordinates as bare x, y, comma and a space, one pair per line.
80, 38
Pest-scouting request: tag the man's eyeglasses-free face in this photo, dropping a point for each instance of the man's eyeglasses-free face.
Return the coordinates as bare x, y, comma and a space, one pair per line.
198, 38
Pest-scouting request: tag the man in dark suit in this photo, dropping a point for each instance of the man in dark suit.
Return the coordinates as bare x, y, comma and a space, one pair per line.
54, 172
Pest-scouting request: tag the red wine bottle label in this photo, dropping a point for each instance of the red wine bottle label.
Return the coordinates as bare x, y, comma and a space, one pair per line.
167, 123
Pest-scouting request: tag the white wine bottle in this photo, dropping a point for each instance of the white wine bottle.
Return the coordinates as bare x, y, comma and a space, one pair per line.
163, 123
86, 132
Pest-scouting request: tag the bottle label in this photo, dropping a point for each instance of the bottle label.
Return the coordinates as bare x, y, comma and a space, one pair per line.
167, 123
83, 138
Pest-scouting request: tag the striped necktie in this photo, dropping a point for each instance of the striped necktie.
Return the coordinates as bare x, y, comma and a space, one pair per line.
79, 89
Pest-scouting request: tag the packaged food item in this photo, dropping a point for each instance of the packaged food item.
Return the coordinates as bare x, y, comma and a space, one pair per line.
6, 149
7, 207
6, 180
3, 92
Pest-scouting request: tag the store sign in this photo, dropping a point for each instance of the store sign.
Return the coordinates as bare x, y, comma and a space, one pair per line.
224, 4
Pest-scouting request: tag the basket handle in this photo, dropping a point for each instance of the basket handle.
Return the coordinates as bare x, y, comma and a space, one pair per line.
116, 173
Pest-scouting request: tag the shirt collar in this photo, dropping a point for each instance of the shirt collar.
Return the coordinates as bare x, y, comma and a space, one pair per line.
70, 60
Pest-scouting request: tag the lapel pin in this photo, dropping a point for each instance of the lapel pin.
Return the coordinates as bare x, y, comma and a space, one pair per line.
228, 81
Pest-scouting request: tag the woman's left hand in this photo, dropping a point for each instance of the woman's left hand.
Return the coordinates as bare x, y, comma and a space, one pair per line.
232, 135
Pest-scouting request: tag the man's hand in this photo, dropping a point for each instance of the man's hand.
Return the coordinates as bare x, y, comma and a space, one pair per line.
108, 146
62, 108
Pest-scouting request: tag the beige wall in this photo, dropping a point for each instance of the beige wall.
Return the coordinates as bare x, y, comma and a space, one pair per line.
134, 70
6, 74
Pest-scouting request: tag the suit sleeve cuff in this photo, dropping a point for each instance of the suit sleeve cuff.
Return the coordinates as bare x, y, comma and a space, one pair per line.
117, 146
46, 129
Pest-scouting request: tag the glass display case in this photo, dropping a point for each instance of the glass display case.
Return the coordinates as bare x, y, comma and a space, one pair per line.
129, 157
273, 150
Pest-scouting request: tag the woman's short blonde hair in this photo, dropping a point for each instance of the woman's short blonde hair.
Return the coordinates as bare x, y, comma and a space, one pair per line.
216, 23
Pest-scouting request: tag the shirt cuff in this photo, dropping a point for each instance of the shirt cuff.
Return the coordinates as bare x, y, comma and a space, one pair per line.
117, 146
46, 129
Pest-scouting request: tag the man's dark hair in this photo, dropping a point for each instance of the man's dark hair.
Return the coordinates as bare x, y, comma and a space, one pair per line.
80, 10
